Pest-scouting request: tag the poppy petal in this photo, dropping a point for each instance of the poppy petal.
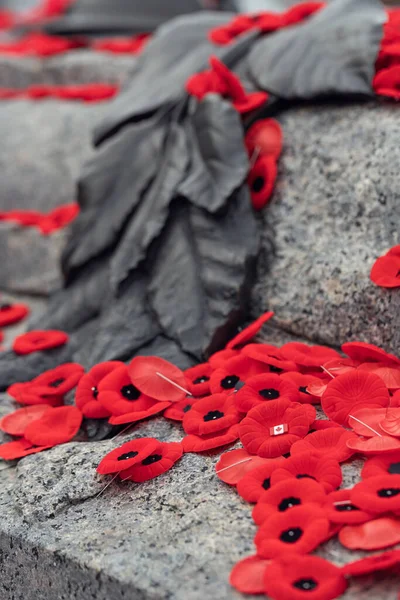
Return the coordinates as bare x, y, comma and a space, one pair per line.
233, 465
250, 331
375, 445
177, 410
57, 426
341, 509
12, 313
391, 422
390, 374
148, 374
386, 269
373, 535
19, 449
382, 465
197, 443
266, 136
308, 356
326, 471
35, 341
247, 576
362, 351
330, 442
372, 564
16, 422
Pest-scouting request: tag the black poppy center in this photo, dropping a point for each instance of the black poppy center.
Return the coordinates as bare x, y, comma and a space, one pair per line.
346, 507
388, 492
153, 458
394, 469
95, 392
229, 382
266, 484
57, 382
213, 415
305, 476
292, 535
288, 503
303, 390
130, 392
201, 379
186, 408
5, 306
128, 455
269, 393
275, 369
306, 585
258, 184
398, 273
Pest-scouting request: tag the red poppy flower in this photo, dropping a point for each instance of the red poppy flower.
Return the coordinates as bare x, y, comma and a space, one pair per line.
19, 449
197, 443
378, 494
124, 401
211, 415
86, 397
150, 374
299, 530
373, 535
198, 379
390, 424
206, 82
261, 181
270, 430
386, 270
375, 445
363, 352
270, 355
352, 391
35, 341
16, 422
382, 465
326, 471
258, 480
38, 44
129, 454
366, 422
56, 426
330, 442
157, 463
372, 564
247, 576
218, 359
308, 356
285, 495
177, 410
265, 136
390, 374
264, 388
12, 313
302, 382
338, 366
340, 509
294, 577
385, 83
249, 332
131, 45
58, 381
233, 372
300, 12
233, 465
87, 92
58, 218
23, 394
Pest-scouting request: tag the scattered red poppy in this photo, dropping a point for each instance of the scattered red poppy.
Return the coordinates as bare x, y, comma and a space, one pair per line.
390, 374
372, 564
385, 83
129, 454
197, 443
39, 44
233, 465
150, 375
87, 92
132, 45
261, 181
157, 463
233, 372
16, 422
326, 471
264, 388
56, 426
265, 136
366, 422
382, 465
19, 449
270, 355
58, 218
285, 495
294, 577
303, 382
299, 530
12, 313
218, 359
35, 341
258, 479
352, 391
330, 442
379, 494
339, 508
375, 445
211, 415
390, 424
86, 397
249, 332
308, 356
247, 576
373, 535
58, 381
23, 394
198, 379
363, 352
270, 430
177, 410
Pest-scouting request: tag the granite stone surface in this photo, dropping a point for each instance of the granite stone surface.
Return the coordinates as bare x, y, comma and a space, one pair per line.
335, 209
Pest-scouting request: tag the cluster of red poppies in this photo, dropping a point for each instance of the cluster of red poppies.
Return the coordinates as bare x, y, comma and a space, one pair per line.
47, 223
387, 68
386, 269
